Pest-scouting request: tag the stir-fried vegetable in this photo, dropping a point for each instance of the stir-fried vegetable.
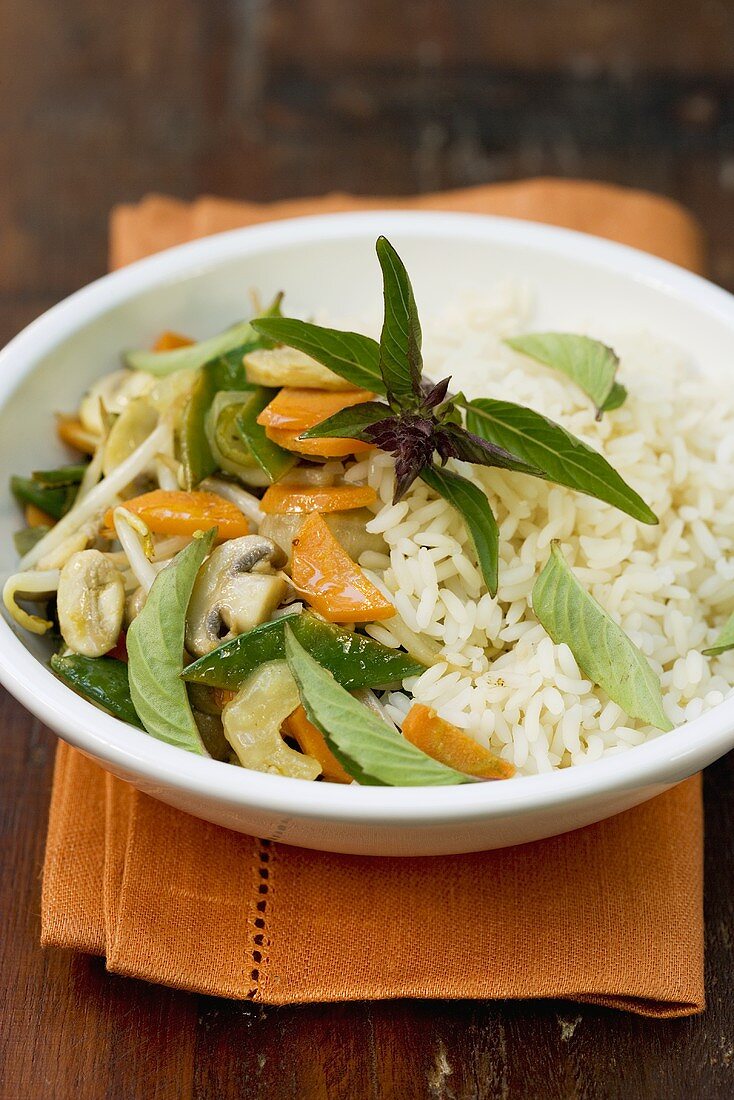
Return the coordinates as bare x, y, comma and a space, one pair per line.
317, 448
286, 367
90, 602
333, 584
53, 501
451, 746
237, 589
253, 719
312, 742
72, 432
297, 499
348, 528
176, 512
295, 410
102, 680
63, 475
167, 341
355, 660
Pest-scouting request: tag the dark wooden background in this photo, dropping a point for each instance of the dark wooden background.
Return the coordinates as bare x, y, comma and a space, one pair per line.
101, 103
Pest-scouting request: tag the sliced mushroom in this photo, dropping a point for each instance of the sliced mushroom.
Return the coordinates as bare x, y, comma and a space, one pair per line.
236, 590
134, 604
287, 367
349, 528
252, 722
90, 603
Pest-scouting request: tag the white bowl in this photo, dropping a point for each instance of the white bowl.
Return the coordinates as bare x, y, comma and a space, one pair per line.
329, 262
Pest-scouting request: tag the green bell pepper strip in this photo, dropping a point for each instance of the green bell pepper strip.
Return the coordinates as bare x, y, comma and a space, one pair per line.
64, 475
273, 460
226, 372
54, 502
222, 370
355, 660
102, 680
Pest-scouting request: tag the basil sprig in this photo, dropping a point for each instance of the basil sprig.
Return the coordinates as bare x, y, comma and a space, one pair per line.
602, 649
420, 422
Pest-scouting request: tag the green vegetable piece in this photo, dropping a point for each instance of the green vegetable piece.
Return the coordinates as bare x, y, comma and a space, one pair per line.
401, 361
155, 645
724, 641
102, 680
55, 502
349, 423
355, 660
64, 475
348, 354
25, 539
604, 652
587, 362
226, 372
193, 356
273, 460
474, 507
561, 456
370, 750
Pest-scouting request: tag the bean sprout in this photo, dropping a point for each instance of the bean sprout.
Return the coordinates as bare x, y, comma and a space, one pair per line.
135, 540
104, 495
248, 504
34, 584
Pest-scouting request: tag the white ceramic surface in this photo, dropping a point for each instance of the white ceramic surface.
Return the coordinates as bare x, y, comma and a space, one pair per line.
329, 262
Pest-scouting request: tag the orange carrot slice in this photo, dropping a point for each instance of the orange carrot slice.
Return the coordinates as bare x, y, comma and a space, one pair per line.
311, 742
71, 431
325, 575
167, 341
34, 517
319, 448
451, 746
283, 500
175, 512
294, 410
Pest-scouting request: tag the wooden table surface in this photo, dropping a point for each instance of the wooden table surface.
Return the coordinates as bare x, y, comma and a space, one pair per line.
269, 98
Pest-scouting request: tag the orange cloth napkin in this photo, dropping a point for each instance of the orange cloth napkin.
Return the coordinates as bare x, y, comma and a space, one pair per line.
611, 914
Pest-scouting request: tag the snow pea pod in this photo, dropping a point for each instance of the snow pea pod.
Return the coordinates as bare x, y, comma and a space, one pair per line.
64, 475
102, 680
54, 502
354, 660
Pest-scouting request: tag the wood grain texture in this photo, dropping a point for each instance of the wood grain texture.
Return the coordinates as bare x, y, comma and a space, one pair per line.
272, 98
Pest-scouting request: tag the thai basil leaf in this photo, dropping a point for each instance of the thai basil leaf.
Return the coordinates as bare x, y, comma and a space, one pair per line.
273, 460
401, 361
102, 680
155, 645
349, 423
725, 640
559, 455
602, 649
587, 362
617, 397
348, 354
482, 452
355, 660
369, 749
475, 509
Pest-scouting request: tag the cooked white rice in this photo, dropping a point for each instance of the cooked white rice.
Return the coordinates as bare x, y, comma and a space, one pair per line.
500, 677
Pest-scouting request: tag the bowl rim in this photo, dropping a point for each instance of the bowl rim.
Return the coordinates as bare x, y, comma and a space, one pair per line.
665, 760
